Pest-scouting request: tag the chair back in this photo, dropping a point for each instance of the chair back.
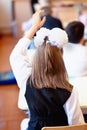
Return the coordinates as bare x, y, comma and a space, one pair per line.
72, 127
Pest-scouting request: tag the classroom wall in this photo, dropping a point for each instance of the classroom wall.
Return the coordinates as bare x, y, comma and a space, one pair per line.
8, 10
6, 13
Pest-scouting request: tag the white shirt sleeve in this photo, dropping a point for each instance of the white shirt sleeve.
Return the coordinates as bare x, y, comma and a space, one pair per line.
73, 110
19, 61
21, 64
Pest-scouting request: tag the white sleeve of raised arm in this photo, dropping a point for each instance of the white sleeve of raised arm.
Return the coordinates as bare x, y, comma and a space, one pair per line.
19, 62
73, 110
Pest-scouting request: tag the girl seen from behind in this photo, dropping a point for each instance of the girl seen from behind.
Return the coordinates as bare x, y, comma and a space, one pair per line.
48, 93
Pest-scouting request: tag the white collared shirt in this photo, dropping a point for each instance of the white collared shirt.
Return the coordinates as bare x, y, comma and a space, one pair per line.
75, 59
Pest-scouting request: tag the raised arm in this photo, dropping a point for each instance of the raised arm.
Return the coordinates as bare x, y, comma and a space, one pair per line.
37, 24
19, 60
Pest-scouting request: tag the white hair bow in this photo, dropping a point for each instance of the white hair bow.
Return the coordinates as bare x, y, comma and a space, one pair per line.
56, 37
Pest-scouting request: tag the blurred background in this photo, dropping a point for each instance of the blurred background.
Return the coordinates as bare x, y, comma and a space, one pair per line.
14, 12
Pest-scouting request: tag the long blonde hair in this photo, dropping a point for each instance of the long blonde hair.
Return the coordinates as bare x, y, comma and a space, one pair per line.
48, 69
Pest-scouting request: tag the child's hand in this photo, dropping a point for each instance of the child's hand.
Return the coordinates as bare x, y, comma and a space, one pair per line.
36, 24
37, 21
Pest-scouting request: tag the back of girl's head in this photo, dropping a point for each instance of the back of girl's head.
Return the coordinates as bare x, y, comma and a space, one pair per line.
75, 31
48, 68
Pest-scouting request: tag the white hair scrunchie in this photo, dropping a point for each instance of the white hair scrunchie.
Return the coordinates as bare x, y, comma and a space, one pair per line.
56, 36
